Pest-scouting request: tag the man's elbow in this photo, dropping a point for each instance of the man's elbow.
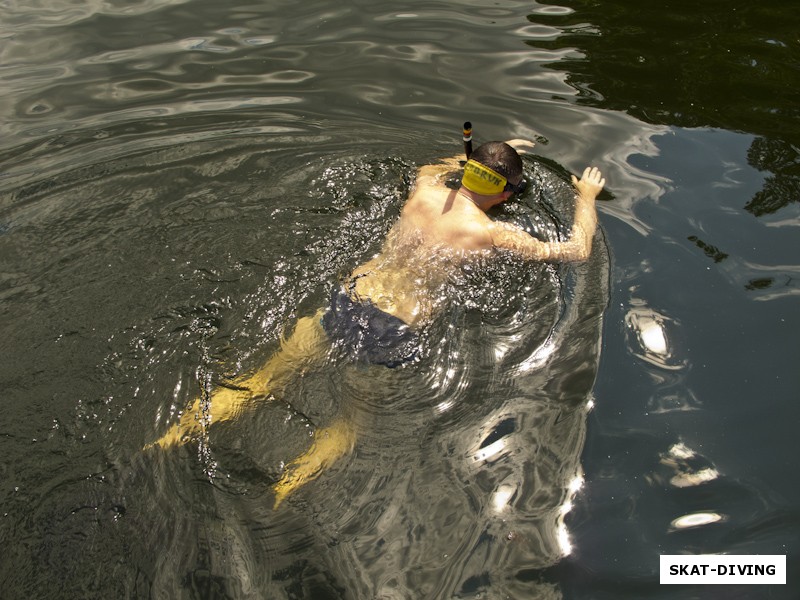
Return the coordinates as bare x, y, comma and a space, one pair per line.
576, 256
578, 248
583, 255
583, 251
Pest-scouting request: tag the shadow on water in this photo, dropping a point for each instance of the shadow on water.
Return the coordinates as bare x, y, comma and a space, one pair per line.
467, 460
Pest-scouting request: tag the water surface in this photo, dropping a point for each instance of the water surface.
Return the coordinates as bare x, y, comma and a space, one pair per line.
180, 181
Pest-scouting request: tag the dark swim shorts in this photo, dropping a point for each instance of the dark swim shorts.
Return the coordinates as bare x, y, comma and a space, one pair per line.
367, 333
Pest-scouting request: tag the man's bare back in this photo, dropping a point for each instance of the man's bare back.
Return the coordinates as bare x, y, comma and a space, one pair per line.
440, 227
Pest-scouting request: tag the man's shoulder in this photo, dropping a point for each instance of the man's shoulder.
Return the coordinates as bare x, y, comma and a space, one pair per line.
429, 194
438, 213
445, 166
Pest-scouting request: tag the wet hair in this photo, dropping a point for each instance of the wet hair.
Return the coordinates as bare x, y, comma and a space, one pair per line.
499, 157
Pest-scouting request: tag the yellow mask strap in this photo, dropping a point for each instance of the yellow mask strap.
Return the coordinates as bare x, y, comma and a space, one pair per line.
482, 180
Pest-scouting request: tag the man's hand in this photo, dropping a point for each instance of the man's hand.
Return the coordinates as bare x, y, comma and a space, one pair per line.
590, 183
521, 145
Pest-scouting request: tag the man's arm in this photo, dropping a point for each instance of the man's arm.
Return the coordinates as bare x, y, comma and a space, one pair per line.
578, 246
445, 165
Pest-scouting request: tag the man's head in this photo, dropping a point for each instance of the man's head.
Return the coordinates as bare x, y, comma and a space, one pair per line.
491, 168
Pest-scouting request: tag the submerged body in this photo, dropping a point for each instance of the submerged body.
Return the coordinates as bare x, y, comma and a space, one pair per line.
384, 301
440, 228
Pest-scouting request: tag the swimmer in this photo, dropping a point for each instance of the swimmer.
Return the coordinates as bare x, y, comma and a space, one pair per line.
376, 314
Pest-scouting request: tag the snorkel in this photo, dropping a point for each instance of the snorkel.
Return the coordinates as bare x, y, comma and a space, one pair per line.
481, 179
467, 139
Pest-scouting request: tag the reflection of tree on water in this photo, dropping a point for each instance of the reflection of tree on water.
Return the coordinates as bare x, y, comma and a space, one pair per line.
711, 251
692, 64
783, 160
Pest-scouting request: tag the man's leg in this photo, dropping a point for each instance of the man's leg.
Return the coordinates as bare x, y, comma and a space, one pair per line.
304, 349
330, 444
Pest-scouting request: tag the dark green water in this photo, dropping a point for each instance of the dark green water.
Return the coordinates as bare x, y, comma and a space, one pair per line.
179, 181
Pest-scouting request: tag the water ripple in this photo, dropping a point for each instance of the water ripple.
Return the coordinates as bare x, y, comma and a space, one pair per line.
180, 182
